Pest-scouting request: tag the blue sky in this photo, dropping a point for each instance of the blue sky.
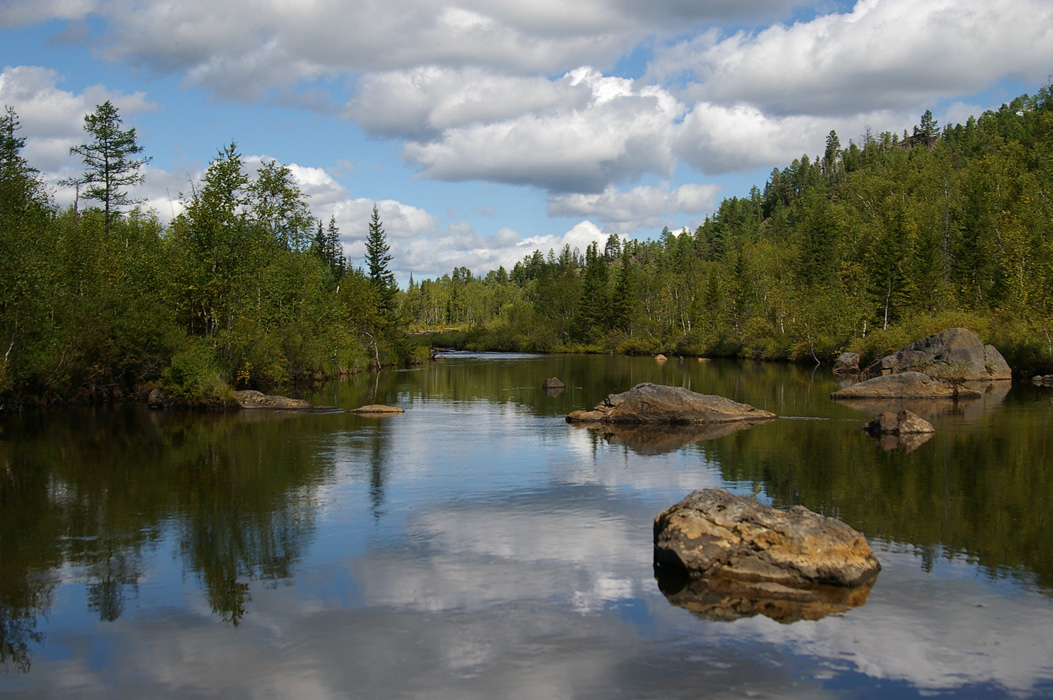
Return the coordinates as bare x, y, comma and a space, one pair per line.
485, 129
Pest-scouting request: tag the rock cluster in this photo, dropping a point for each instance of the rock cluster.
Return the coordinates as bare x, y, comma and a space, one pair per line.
658, 404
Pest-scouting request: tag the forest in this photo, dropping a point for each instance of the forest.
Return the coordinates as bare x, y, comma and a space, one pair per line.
864, 248
861, 248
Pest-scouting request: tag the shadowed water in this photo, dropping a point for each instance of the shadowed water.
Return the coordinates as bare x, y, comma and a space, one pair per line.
479, 546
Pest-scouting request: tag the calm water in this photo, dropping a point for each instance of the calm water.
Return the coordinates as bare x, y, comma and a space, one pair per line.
478, 546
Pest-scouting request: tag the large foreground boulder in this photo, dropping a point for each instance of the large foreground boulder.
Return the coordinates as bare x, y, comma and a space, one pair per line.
715, 533
956, 353
906, 385
654, 403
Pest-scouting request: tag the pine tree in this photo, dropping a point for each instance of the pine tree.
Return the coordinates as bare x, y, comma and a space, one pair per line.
109, 161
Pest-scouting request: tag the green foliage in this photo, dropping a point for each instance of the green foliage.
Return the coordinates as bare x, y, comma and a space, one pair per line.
194, 378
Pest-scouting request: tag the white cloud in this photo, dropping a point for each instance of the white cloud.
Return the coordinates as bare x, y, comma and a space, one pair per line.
640, 207
429, 99
621, 134
883, 54
244, 48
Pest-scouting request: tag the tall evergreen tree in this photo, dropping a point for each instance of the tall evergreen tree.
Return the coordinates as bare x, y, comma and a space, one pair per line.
378, 257
110, 162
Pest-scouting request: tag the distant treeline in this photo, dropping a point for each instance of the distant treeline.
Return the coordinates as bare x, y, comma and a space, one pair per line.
861, 248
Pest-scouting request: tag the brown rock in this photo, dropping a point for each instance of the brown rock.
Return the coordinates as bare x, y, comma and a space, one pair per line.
902, 423
906, 385
956, 353
654, 403
1042, 380
553, 383
715, 533
660, 358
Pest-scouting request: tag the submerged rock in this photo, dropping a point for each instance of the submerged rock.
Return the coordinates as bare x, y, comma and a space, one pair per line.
714, 533
956, 353
654, 403
1042, 380
378, 410
906, 385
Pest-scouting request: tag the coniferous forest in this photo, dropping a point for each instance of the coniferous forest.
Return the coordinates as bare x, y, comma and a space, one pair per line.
863, 247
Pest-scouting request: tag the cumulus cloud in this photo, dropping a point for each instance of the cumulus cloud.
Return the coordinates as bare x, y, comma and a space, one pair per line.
429, 99
882, 54
244, 48
621, 134
640, 207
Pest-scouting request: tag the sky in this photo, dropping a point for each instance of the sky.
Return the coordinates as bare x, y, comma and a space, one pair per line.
486, 129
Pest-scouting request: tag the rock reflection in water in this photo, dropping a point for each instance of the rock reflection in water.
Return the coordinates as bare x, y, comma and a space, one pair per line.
903, 443
654, 439
722, 599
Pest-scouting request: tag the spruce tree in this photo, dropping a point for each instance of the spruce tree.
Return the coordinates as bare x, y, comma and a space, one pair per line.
378, 257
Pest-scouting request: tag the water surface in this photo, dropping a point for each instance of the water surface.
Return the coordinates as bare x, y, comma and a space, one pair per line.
479, 546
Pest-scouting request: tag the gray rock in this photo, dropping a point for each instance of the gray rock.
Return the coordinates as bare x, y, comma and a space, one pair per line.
956, 353
847, 363
654, 403
715, 533
905, 385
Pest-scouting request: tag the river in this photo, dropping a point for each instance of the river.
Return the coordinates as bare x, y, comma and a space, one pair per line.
478, 546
